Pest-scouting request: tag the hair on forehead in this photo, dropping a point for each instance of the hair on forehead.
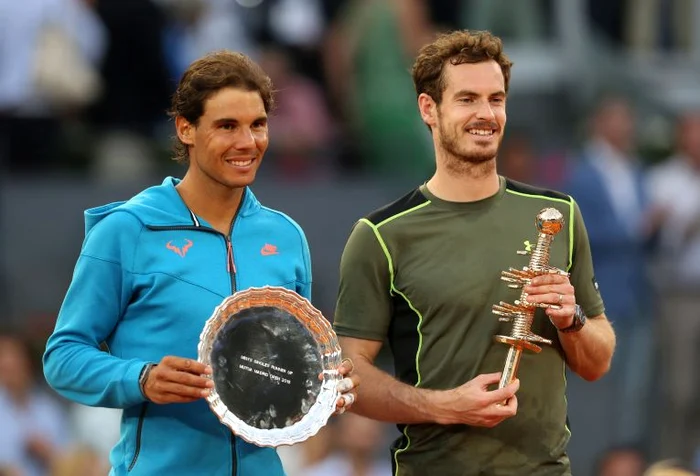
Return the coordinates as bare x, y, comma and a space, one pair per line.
455, 48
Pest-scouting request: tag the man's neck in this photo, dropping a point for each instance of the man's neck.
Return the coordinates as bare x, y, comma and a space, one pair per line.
476, 182
213, 202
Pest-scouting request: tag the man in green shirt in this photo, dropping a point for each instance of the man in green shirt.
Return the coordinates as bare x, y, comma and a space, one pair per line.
423, 272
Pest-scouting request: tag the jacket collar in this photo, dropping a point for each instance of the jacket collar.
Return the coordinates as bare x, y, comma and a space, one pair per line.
161, 205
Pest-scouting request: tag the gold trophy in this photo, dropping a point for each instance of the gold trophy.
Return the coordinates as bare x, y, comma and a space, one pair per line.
549, 222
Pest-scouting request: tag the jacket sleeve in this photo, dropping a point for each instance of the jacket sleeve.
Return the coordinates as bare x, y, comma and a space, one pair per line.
74, 364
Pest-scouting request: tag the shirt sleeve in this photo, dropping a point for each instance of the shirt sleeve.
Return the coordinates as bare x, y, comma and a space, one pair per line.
100, 291
364, 306
581, 272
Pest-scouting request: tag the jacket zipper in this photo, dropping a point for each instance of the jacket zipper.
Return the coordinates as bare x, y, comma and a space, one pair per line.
139, 429
232, 273
231, 268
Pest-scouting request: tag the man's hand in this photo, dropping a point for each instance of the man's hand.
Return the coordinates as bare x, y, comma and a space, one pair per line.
177, 380
346, 387
555, 293
474, 404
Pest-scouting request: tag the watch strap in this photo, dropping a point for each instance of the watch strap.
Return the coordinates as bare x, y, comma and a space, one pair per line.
143, 376
579, 321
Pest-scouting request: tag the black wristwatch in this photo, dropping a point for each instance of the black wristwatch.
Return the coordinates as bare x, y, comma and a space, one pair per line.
143, 376
579, 321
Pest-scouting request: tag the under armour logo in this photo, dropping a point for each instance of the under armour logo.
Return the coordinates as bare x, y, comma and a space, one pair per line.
179, 251
528, 246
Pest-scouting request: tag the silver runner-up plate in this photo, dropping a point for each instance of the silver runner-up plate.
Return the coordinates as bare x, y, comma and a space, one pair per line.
274, 360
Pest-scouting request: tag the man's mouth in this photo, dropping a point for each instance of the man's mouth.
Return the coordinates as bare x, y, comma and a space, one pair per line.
481, 132
240, 162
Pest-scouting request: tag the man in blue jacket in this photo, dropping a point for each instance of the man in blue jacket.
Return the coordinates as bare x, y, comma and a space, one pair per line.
152, 270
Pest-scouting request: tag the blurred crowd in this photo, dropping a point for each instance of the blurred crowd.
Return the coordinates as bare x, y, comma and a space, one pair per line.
83, 89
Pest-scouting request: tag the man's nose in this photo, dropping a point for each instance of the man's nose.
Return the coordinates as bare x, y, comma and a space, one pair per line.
485, 111
245, 138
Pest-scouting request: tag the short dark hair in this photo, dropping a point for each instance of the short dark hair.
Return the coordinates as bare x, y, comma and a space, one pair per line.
209, 74
457, 47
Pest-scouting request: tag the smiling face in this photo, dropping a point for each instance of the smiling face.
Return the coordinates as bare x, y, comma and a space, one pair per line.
229, 140
469, 122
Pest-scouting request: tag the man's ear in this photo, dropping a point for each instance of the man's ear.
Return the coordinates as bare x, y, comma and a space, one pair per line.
185, 130
428, 109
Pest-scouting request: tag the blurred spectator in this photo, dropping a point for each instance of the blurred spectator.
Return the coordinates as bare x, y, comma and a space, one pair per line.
48, 51
675, 187
80, 461
137, 87
95, 430
197, 27
301, 122
297, 458
621, 461
518, 159
295, 23
607, 19
357, 440
606, 181
521, 160
667, 468
653, 25
524, 21
368, 56
33, 428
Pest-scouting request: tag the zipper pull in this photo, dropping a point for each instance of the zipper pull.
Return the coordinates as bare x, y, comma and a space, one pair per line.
230, 265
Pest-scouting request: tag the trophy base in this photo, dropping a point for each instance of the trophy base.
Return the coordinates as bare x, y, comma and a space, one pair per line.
518, 343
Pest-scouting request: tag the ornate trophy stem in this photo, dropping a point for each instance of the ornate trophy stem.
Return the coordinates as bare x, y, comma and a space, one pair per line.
549, 222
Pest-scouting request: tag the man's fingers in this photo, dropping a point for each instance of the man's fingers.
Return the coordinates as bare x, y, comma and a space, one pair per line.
182, 390
346, 367
565, 311
512, 404
549, 279
484, 380
502, 394
186, 365
500, 411
345, 400
346, 385
185, 378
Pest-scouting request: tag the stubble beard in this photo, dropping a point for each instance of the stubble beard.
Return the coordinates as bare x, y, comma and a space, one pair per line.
475, 164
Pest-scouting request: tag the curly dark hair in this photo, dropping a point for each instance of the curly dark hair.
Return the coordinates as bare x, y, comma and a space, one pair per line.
209, 74
457, 47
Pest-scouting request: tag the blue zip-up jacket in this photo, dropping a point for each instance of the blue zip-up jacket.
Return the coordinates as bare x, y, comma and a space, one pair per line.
150, 273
